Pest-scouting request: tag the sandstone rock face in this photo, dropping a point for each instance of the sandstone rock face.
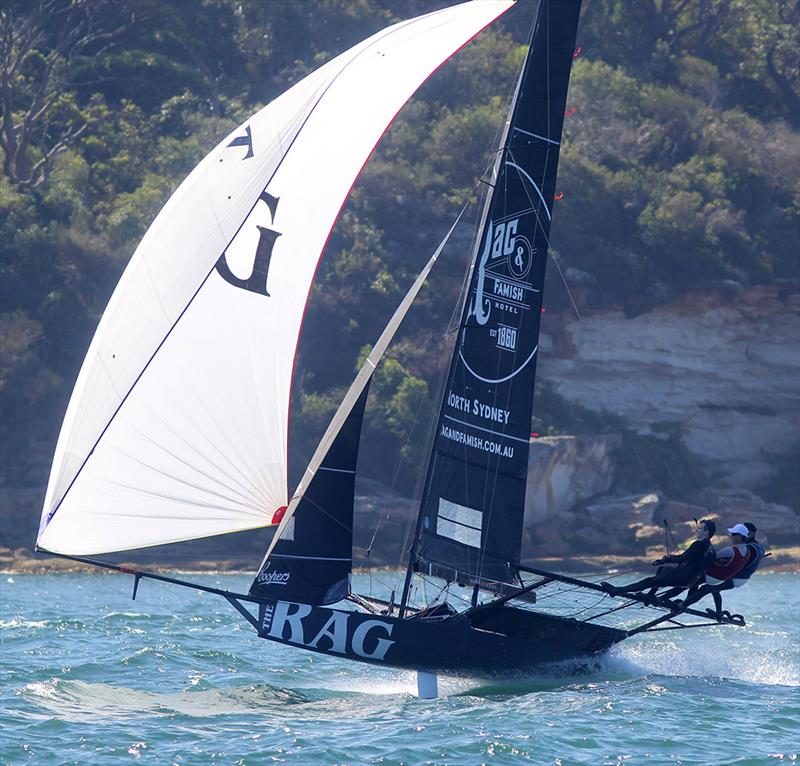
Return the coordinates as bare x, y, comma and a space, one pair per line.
602, 525
777, 524
565, 470
632, 509
626, 525
676, 513
725, 364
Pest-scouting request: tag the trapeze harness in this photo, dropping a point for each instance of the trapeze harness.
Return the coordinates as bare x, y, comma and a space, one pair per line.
725, 569
756, 554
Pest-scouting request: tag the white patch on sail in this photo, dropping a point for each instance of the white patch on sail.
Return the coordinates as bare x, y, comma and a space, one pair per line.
459, 523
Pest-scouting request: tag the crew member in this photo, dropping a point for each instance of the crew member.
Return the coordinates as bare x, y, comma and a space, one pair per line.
690, 566
730, 562
756, 554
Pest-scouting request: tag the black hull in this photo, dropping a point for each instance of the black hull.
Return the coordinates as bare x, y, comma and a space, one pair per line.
487, 640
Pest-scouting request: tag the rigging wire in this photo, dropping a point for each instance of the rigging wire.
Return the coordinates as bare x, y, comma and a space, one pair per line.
502, 137
387, 515
555, 258
546, 233
499, 144
591, 606
671, 543
674, 478
507, 137
429, 437
442, 376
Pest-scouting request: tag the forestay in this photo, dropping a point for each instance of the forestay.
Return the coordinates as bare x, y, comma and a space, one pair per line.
178, 424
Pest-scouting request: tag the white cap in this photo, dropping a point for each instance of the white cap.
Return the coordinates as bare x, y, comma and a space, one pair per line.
739, 529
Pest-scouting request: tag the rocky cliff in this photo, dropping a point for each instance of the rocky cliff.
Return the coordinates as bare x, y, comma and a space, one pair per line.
563, 470
723, 363
572, 510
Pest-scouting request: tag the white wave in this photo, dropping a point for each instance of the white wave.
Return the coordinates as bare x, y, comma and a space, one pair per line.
713, 653
18, 623
71, 700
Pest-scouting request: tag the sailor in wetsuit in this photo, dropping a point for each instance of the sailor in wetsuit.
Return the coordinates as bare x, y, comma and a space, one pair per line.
732, 568
689, 566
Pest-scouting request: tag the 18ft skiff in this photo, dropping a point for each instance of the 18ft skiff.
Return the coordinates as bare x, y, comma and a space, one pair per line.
178, 425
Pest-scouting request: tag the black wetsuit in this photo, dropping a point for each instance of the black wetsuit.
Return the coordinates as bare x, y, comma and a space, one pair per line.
691, 564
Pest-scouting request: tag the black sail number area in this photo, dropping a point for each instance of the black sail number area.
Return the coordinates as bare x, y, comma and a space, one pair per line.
257, 281
501, 328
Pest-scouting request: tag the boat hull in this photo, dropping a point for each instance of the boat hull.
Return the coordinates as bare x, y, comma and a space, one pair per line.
487, 640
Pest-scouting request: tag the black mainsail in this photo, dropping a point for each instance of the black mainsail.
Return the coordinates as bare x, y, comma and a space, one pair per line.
471, 515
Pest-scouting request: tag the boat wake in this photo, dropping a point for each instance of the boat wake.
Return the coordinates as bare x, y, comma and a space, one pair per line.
662, 664
70, 700
648, 661
764, 661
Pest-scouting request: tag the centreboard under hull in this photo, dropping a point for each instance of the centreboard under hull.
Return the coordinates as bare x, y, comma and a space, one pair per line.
485, 640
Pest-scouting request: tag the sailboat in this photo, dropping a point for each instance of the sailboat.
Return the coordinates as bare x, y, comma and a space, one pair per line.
178, 426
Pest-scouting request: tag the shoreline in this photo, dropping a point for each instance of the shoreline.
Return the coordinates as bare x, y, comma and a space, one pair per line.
783, 559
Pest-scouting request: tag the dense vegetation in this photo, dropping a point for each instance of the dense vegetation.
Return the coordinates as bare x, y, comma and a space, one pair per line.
680, 166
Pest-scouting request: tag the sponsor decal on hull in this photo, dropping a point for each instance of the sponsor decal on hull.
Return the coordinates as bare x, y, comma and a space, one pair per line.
342, 633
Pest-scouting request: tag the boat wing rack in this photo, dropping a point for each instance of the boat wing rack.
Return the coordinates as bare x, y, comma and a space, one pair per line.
668, 619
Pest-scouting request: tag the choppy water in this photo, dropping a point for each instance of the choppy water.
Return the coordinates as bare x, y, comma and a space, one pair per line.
176, 677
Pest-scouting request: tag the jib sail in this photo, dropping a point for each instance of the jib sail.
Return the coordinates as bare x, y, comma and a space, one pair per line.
470, 523
312, 560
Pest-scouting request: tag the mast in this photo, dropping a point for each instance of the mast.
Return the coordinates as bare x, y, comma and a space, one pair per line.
469, 527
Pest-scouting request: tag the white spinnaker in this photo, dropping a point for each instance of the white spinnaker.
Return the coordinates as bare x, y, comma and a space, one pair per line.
178, 424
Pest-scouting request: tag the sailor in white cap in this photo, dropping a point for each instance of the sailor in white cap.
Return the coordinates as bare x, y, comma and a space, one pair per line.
728, 563
756, 556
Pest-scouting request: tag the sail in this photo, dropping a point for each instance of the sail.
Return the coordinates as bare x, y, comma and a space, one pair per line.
312, 560
470, 522
178, 424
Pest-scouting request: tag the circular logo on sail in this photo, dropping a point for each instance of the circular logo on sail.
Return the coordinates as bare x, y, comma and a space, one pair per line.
501, 329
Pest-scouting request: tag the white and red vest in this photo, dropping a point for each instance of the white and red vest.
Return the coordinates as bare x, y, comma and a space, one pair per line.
724, 569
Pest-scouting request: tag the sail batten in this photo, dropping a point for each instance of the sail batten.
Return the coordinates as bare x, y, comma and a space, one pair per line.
196, 348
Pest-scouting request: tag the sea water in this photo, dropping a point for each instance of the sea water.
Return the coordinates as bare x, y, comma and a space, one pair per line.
90, 677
